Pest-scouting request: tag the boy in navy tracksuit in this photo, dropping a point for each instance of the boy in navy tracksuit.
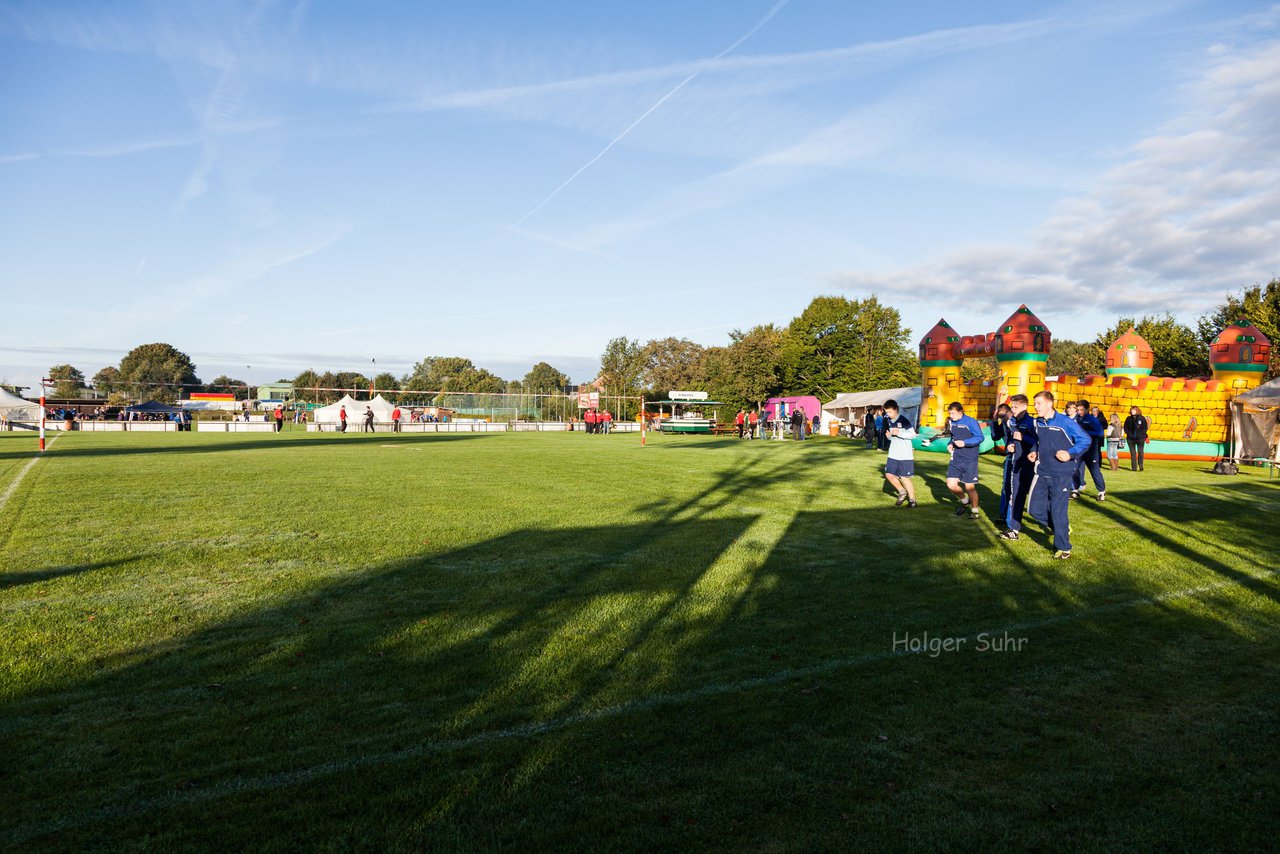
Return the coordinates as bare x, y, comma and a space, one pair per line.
962, 473
1059, 443
1019, 465
1092, 459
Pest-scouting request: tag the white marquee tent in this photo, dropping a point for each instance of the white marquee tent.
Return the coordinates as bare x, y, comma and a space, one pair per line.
355, 411
14, 408
852, 406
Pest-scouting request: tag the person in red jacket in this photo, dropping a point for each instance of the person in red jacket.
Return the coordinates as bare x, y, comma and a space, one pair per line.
279, 416
606, 421
589, 417
740, 420
395, 420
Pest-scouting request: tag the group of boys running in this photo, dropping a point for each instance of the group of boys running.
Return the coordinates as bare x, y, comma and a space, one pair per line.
1044, 458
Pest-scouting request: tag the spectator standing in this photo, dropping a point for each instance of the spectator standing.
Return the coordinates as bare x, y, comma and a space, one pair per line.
1115, 438
869, 427
1135, 433
279, 416
606, 420
395, 420
753, 421
797, 424
368, 420
740, 421
342, 419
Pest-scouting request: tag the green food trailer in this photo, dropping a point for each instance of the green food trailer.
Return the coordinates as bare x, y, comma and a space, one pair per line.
687, 414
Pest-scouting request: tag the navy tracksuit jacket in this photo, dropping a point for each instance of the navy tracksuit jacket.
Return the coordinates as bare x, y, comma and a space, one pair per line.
1018, 470
1051, 488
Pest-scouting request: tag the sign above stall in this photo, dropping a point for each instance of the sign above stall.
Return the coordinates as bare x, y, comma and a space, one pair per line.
688, 395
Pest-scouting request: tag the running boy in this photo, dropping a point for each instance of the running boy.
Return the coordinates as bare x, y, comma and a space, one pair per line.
1019, 465
962, 473
900, 468
1059, 443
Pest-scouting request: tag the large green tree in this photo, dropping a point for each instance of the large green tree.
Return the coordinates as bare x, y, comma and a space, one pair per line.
457, 380
68, 380
157, 371
107, 380
543, 378
673, 363
1260, 305
1075, 358
746, 373
224, 384
622, 366
434, 373
387, 383
1178, 351
838, 345
306, 386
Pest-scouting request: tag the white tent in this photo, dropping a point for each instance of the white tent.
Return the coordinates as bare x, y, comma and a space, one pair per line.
1255, 423
355, 411
852, 406
14, 408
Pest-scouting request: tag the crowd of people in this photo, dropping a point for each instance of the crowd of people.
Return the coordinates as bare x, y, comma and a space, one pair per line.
596, 421
754, 424
1047, 457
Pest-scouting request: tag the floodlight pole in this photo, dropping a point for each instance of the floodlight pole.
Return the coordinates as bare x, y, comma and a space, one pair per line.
643, 421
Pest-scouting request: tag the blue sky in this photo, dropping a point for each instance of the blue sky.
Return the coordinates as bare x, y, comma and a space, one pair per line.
273, 186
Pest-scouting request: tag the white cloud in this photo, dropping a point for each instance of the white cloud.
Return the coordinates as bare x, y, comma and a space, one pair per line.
1192, 213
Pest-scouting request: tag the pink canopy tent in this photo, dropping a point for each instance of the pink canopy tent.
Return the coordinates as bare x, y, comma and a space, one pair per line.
782, 407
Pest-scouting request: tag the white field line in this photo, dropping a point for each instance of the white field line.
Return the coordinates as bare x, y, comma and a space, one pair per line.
284, 779
13, 487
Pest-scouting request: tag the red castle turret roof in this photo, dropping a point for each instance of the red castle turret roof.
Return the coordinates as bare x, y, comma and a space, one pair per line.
1240, 344
1023, 332
1130, 354
939, 343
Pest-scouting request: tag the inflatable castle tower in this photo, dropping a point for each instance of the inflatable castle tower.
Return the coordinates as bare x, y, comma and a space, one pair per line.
1188, 416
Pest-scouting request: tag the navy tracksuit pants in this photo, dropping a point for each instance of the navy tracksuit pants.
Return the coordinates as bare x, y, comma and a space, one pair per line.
1093, 462
1018, 478
1050, 498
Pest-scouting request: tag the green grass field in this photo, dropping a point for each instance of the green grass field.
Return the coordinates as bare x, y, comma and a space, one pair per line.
536, 641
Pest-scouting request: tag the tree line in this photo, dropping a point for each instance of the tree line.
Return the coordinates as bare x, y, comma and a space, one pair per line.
835, 345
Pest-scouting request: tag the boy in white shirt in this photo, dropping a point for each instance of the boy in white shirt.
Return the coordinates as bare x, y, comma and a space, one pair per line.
900, 468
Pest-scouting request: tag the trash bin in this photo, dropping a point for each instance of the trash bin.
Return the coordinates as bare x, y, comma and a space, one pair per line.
834, 428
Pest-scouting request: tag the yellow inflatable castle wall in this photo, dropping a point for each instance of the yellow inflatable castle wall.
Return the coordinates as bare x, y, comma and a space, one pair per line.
1188, 416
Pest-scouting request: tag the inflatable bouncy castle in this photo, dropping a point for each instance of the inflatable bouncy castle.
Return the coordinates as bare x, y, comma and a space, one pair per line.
1188, 415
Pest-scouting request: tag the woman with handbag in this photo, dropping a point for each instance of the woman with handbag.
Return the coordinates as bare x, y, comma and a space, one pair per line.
1115, 441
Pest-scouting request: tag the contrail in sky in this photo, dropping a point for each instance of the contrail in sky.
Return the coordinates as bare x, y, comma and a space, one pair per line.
777, 7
